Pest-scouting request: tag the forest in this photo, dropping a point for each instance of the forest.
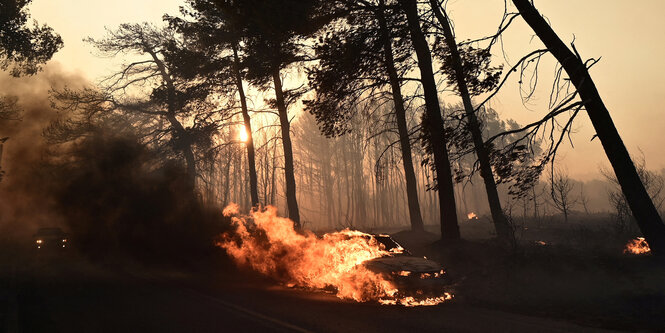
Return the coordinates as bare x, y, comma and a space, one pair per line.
229, 117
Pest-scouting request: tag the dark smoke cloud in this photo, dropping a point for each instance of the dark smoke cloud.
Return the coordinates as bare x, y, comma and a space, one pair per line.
112, 193
23, 203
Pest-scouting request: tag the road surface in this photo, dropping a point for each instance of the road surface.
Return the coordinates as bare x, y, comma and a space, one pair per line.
68, 294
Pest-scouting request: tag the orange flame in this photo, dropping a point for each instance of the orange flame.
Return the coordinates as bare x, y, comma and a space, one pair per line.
269, 244
472, 216
637, 246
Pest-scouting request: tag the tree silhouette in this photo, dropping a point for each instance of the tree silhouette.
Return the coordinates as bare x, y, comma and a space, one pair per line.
212, 31
358, 60
469, 71
24, 48
272, 34
561, 192
159, 92
435, 139
643, 208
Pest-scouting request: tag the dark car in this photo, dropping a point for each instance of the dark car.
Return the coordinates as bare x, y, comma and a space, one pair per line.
411, 274
50, 239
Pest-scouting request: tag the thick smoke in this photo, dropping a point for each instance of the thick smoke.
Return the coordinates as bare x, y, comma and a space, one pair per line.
23, 203
109, 191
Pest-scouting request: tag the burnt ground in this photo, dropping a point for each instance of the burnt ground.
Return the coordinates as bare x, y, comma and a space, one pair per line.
66, 293
579, 275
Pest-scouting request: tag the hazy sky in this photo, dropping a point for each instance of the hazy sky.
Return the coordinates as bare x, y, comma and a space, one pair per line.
627, 34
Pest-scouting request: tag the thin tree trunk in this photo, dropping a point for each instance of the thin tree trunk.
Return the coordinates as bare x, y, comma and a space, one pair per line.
227, 182
289, 176
535, 202
347, 179
500, 221
644, 211
272, 174
251, 162
400, 115
447, 207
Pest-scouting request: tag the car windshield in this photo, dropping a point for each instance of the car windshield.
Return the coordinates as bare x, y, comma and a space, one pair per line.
50, 231
388, 242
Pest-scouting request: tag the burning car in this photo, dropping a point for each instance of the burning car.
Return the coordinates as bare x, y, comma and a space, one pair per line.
50, 238
352, 264
412, 275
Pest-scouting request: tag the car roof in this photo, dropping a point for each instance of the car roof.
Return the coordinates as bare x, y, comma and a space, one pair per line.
50, 231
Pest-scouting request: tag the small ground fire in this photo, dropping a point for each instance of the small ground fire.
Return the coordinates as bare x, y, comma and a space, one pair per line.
637, 246
269, 244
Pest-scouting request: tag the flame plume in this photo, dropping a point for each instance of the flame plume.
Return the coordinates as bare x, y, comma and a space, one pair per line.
269, 244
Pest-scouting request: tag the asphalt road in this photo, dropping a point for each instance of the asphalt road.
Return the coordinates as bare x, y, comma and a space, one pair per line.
66, 294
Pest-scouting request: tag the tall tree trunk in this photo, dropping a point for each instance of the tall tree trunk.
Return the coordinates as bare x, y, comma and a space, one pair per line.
251, 162
242, 199
449, 224
640, 203
289, 177
400, 115
500, 221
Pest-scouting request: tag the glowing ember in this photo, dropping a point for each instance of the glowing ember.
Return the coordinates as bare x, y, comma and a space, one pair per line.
637, 246
404, 273
472, 216
541, 243
410, 301
270, 245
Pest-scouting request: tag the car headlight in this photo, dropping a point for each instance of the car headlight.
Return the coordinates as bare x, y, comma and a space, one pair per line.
64, 240
39, 241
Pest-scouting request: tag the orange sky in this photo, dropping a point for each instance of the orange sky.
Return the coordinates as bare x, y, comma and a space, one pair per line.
627, 34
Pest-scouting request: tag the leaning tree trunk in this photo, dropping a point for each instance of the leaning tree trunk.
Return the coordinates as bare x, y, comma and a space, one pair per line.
289, 177
640, 202
500, 220
449, 225
400, 116
251, 162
